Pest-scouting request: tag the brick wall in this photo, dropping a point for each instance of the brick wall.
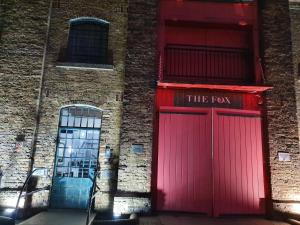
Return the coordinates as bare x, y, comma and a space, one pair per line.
280, 124
295, 30
21, 54
282, 131
23, 29
23, 34
102, 88
134, 176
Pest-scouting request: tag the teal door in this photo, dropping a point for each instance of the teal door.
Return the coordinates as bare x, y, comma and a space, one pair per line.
76, 157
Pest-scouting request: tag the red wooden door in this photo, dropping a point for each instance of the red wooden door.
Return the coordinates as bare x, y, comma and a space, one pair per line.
184, 181
214, 170
237, 163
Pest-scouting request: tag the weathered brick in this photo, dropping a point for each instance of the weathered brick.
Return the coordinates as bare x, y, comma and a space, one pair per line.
137, 121
126, 93
21, 62
281, 120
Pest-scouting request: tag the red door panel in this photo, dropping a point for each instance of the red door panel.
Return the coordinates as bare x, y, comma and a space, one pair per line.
214, 170
237, 164
184, 180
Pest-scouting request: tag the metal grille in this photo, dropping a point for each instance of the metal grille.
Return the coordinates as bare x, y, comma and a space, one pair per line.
207, 64
88, 42
78, 142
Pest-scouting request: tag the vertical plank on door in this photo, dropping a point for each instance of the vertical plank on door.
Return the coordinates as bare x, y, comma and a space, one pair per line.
238, 164
184, 181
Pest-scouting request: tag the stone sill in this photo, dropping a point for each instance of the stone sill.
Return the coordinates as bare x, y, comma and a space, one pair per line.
85, 66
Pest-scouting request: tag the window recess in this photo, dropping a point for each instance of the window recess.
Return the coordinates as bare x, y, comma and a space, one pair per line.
87, 43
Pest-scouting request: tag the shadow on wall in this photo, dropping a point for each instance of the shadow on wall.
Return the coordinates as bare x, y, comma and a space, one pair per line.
32, 185
160, 199
1, 175
107, 180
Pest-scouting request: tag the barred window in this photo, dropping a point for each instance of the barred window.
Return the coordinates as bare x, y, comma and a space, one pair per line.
88, 41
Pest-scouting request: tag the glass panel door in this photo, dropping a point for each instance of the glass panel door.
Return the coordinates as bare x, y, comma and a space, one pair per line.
76, 157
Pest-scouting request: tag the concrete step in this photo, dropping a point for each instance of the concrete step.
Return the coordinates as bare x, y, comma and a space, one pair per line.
130, 220
58, 217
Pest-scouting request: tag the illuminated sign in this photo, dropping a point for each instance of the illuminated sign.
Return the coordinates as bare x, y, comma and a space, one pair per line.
194, 98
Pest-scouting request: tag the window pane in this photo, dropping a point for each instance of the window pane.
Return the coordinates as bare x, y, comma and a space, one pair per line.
78, 148
77, 121
69, 143
68, 152
64, 121
84, 122
80, 153
85, 113
91, 122
75, 172
87, 154
88, 42
96, 135
78, 112
69, 133
62, 143
83, 134
71, 121
59, 171
97, 123
63, 133
64, 112
95, 144
90, 134
85, 173
60, 152
77, 143
94, 153
76, 133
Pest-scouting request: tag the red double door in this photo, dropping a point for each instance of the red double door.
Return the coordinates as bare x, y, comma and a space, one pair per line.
210, 161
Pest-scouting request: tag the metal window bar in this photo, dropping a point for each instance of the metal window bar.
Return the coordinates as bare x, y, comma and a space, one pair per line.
78, 142
205, 64
88, 43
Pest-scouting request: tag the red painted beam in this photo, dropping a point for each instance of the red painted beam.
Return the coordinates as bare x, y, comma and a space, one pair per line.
214, 12
239, 88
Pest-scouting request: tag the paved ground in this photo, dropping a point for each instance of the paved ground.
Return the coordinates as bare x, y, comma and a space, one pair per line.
202, 220
57, 217
73, 217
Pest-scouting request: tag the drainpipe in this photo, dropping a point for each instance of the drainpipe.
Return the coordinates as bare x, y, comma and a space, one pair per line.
39, 100
1, 175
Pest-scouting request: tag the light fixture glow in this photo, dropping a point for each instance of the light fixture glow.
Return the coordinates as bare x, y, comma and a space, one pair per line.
296, 208
120, 208
116, 214
9, 210
243, 23
11, 202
